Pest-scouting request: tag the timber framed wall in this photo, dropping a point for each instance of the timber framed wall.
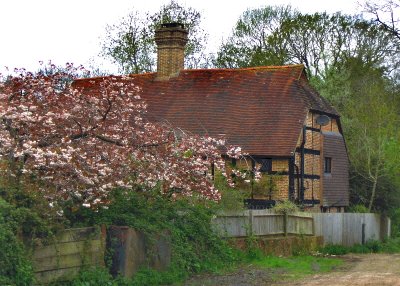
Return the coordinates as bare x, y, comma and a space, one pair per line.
301, 178
312, 186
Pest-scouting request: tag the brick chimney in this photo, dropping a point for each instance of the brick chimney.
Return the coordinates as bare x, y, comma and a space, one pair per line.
171, 39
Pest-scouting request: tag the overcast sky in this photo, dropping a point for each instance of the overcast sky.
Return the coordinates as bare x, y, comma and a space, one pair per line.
71, 31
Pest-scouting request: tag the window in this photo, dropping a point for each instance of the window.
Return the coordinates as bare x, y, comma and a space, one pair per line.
264, 165
328, 165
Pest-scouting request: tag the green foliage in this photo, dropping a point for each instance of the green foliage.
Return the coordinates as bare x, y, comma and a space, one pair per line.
23, 217
276, 35
298, 266
191, 18
196, 247
231, 198
130, 43
371, 246
93, 277
394, 215
285, 207
254, 41
15, 268
152, 277
368, 102
334, 249
357, 209
391, 245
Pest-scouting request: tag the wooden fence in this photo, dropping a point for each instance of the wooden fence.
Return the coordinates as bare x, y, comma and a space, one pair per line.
262, 223
351, 228
335, 228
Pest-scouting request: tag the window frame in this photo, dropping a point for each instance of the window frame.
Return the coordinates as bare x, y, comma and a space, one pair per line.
264, 162
327, 165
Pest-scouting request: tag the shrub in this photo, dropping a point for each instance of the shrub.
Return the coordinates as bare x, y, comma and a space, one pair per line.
334, 249
15, 268
93, 277
357, 209
371, 246
195, 246
285, 207
395, 217
391, 245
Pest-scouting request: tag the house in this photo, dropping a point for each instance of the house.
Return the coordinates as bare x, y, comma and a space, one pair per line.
292, 134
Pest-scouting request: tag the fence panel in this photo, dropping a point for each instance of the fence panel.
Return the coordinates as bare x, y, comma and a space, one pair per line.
300, 223
267, 224
336, 228
350, 228
262, 223
232, 225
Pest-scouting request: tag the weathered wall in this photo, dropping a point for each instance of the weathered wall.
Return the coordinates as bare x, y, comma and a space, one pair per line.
133, 250
262, 223
286, 246
68, 253
336, 228
347, 228
62, 258
336, 183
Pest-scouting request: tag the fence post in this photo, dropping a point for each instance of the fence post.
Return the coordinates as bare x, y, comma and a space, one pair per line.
250, 222
363, 234
384, 231
313, 225
285, 223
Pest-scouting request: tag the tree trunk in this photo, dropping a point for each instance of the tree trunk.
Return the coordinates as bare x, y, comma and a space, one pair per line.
371, 200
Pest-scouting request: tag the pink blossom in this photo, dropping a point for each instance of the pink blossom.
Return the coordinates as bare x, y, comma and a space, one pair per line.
88, 137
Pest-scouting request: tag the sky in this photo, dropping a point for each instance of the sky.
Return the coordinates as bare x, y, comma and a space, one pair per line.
71, 31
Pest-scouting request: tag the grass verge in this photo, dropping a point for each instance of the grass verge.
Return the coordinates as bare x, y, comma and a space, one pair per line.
297, 267
391, 245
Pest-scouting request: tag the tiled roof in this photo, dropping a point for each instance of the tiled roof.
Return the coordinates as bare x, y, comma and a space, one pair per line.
260, 109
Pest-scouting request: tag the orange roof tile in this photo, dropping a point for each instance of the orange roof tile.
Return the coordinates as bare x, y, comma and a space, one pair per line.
261, 109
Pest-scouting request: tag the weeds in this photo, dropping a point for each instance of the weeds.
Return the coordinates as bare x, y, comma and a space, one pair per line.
391, 245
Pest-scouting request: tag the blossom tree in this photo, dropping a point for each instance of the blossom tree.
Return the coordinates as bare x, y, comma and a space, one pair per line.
82, 140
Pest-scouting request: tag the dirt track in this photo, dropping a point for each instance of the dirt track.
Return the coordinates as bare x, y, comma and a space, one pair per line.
357, 270
367, 269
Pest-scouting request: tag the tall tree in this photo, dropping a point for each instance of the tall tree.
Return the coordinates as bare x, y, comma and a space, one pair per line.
253, 41
195, 56
279, 35
130, 43
386, 13
369, 107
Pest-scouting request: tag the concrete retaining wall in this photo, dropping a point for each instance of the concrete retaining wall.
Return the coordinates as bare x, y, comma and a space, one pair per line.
68, 253
71, 250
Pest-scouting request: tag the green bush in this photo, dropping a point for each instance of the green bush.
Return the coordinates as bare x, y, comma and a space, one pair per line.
195, 245
391, 245
285, 207
371, 246
394, 215
357, 209
15, 268
93, 277
334, 249
231, 198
